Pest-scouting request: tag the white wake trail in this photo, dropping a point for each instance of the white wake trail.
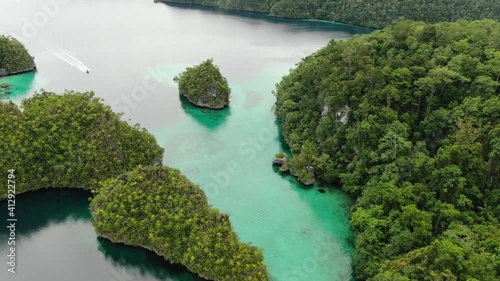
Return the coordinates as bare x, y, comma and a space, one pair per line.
69, 62
73, 58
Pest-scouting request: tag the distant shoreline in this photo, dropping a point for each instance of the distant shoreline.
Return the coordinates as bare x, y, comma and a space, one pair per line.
215, 8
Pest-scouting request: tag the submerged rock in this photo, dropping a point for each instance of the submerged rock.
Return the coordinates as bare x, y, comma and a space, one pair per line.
284, 169
307, 178
281, 160
5, 89
321, 190
157, 162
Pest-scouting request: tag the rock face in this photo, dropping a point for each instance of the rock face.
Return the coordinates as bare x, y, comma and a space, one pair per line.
203, 85
280, 160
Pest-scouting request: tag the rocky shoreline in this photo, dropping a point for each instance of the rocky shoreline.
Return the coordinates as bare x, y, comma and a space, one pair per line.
281, 160
4, 73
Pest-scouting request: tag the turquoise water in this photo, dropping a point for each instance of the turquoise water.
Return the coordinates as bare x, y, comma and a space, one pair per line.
20, 85
133, 56
229, 154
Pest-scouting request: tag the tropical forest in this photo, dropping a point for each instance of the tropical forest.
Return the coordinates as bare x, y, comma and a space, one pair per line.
406, 120
14, 57
371, 13
333, 140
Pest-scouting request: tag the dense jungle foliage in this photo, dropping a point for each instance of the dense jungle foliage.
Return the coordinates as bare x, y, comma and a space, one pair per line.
13, 56
160, 209
372, 13
71, 140
204, 85
407, 120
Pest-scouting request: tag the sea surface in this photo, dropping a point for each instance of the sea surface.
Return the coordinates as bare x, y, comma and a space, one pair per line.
133, 49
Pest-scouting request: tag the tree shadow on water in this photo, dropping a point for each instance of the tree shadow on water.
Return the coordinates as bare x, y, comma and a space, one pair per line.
210, 118
42, 208
145, 261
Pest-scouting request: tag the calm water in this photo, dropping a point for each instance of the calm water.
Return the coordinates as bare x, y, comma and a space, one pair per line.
133, 50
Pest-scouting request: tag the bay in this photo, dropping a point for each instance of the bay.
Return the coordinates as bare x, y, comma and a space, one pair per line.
133, 49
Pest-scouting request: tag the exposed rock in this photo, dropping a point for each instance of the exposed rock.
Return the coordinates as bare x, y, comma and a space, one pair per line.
284, 169
342, 114
309, 168
326, 110
5, 89
308, 182
3, 72
280, 161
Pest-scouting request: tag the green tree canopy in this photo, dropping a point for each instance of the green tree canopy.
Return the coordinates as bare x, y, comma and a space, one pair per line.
71, 140
204, 85
160, 209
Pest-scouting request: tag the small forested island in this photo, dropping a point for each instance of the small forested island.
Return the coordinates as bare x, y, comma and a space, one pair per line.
371, 13
204, 85
407, 121
5, 88
14, 58
160, 209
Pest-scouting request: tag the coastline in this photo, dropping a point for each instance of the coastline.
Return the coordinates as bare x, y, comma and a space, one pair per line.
217, 8
146, 248
18, 72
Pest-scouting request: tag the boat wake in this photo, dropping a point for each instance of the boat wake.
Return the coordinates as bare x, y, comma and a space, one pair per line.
69, 59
